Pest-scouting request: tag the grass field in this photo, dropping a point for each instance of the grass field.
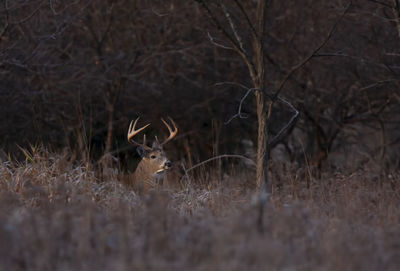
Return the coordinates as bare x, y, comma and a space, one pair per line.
58, 215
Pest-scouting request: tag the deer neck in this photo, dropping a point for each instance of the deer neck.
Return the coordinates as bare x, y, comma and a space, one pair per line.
147, 174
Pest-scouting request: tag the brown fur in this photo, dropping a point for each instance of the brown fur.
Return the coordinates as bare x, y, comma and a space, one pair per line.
150, 171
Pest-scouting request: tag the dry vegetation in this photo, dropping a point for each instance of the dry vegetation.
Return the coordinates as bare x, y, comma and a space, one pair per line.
59, 216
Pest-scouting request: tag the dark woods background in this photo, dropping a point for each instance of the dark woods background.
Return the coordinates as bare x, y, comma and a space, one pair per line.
74, 73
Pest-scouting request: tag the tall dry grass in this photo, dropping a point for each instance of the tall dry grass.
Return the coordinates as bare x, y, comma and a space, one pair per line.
58, 215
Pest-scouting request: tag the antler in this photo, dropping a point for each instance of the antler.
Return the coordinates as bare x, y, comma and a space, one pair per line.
172, 133
132, 132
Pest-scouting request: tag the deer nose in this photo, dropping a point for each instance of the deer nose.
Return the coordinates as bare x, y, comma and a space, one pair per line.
168, 164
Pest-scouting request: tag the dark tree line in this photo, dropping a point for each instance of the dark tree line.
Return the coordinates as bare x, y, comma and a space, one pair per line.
74, 73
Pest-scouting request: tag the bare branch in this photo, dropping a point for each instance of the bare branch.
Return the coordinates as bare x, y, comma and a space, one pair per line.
109, 24
234, 29
218, 25
239, 113
30, 15
6, 24
234, 43
253, 30
217, 44
357, 58
159, 14
55, 12
261, 20
381, 3
379, 83
304, 61
231, 83
288, 125
249, 90
219, 157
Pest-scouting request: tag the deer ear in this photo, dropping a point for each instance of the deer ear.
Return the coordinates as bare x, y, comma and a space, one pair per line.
141, 151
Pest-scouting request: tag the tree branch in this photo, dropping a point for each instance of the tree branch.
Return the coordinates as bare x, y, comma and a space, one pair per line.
236, 46
239, 113
288, 125
234, 29
217, 44
253, 30
261, 22
219, 157
6, 24
30, 15
304, 61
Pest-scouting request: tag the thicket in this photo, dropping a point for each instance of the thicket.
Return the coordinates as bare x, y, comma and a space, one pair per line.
75, 73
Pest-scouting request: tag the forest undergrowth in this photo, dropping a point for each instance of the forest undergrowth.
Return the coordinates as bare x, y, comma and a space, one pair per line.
62, 215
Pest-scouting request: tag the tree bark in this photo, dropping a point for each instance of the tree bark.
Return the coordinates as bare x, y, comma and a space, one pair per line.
110, 125
262, 139
258, 78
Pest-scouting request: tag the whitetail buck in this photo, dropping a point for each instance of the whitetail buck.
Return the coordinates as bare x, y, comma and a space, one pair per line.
153, 164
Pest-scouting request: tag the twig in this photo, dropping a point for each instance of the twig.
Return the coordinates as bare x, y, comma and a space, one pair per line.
239, 113
253, 30
380, 3
219, 26
30, 15
159, 14
378, 83
236, 46
217, 44
291, 122
6, 24
55, 12
304, 61
219, 157
234, 28
231, 83
357, 58
109, 24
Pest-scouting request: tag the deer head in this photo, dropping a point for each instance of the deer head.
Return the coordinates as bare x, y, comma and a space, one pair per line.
154, 162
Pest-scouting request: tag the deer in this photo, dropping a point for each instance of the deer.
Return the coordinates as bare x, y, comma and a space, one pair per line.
151, 169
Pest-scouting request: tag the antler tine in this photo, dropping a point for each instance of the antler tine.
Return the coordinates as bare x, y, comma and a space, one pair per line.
144, 139
172, 133
132, 132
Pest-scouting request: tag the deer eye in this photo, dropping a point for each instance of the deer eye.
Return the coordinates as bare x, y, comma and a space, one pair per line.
152, 156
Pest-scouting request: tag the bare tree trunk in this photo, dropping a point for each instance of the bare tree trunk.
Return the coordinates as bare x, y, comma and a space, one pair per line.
255, 64
262, 140
259, 84
109, 128
112, 93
